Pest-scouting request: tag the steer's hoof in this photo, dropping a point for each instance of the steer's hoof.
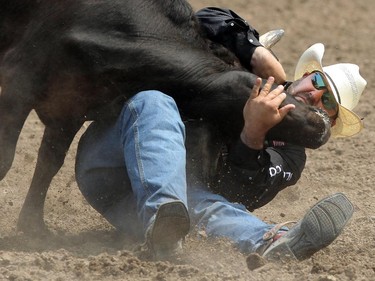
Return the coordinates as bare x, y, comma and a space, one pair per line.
32, 227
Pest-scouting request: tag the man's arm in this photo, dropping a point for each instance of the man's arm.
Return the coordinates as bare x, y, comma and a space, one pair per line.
225, 27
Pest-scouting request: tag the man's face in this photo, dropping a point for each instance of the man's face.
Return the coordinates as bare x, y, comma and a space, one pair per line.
314, 90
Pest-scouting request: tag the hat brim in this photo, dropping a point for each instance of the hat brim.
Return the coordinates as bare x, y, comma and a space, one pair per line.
347, 122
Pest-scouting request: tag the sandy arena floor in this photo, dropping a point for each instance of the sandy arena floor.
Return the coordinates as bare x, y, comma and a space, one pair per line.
86, 247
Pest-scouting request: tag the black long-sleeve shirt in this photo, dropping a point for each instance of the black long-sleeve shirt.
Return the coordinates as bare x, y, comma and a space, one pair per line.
239, 173
254, 177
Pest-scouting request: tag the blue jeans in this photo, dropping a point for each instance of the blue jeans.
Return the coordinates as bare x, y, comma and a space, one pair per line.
125, 170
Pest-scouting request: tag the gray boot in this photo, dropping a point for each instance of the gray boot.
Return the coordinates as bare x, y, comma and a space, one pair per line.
321, 225
165, 235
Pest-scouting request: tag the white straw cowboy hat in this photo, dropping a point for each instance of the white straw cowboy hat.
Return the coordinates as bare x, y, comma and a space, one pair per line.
346, 84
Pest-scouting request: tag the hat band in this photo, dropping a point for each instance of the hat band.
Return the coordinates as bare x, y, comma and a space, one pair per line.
334, 86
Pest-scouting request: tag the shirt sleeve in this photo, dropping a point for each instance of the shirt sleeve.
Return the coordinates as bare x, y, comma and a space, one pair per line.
254, 177
225, 27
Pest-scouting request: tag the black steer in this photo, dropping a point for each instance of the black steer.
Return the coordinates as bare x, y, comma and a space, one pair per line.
70, 60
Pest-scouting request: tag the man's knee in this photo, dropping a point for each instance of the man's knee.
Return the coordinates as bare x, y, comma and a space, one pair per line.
157, 104
154, 97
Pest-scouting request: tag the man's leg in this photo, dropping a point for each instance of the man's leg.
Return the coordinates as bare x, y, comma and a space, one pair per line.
152, 135
102, 178
321, 225
221, 218
133, 171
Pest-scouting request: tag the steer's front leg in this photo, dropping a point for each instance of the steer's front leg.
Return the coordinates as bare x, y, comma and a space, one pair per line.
55, 144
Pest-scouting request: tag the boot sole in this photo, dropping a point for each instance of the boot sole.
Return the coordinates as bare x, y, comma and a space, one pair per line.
171, 225
321, 225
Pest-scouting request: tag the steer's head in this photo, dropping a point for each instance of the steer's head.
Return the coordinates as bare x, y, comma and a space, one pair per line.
306, 125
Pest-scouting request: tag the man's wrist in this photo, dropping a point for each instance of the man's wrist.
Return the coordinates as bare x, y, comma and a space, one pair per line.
253, 141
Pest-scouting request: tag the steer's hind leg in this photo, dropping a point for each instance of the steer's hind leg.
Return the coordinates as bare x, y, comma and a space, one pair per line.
55, 144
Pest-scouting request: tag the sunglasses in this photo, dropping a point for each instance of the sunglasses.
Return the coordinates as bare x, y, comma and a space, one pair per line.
320, 83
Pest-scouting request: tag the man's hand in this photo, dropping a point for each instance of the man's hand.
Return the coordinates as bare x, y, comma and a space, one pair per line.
262, 112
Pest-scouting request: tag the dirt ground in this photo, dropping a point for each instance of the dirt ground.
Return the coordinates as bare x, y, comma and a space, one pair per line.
85, 247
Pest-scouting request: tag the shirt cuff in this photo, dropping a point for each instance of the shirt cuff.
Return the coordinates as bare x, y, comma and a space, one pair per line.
245, 157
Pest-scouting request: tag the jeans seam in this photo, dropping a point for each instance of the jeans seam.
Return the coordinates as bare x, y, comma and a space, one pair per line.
135, 117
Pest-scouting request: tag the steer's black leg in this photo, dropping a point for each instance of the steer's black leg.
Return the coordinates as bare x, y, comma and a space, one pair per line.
14, 109
55, 144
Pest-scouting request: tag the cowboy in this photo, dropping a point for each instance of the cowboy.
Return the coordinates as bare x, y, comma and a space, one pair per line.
133, 170
106, 174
